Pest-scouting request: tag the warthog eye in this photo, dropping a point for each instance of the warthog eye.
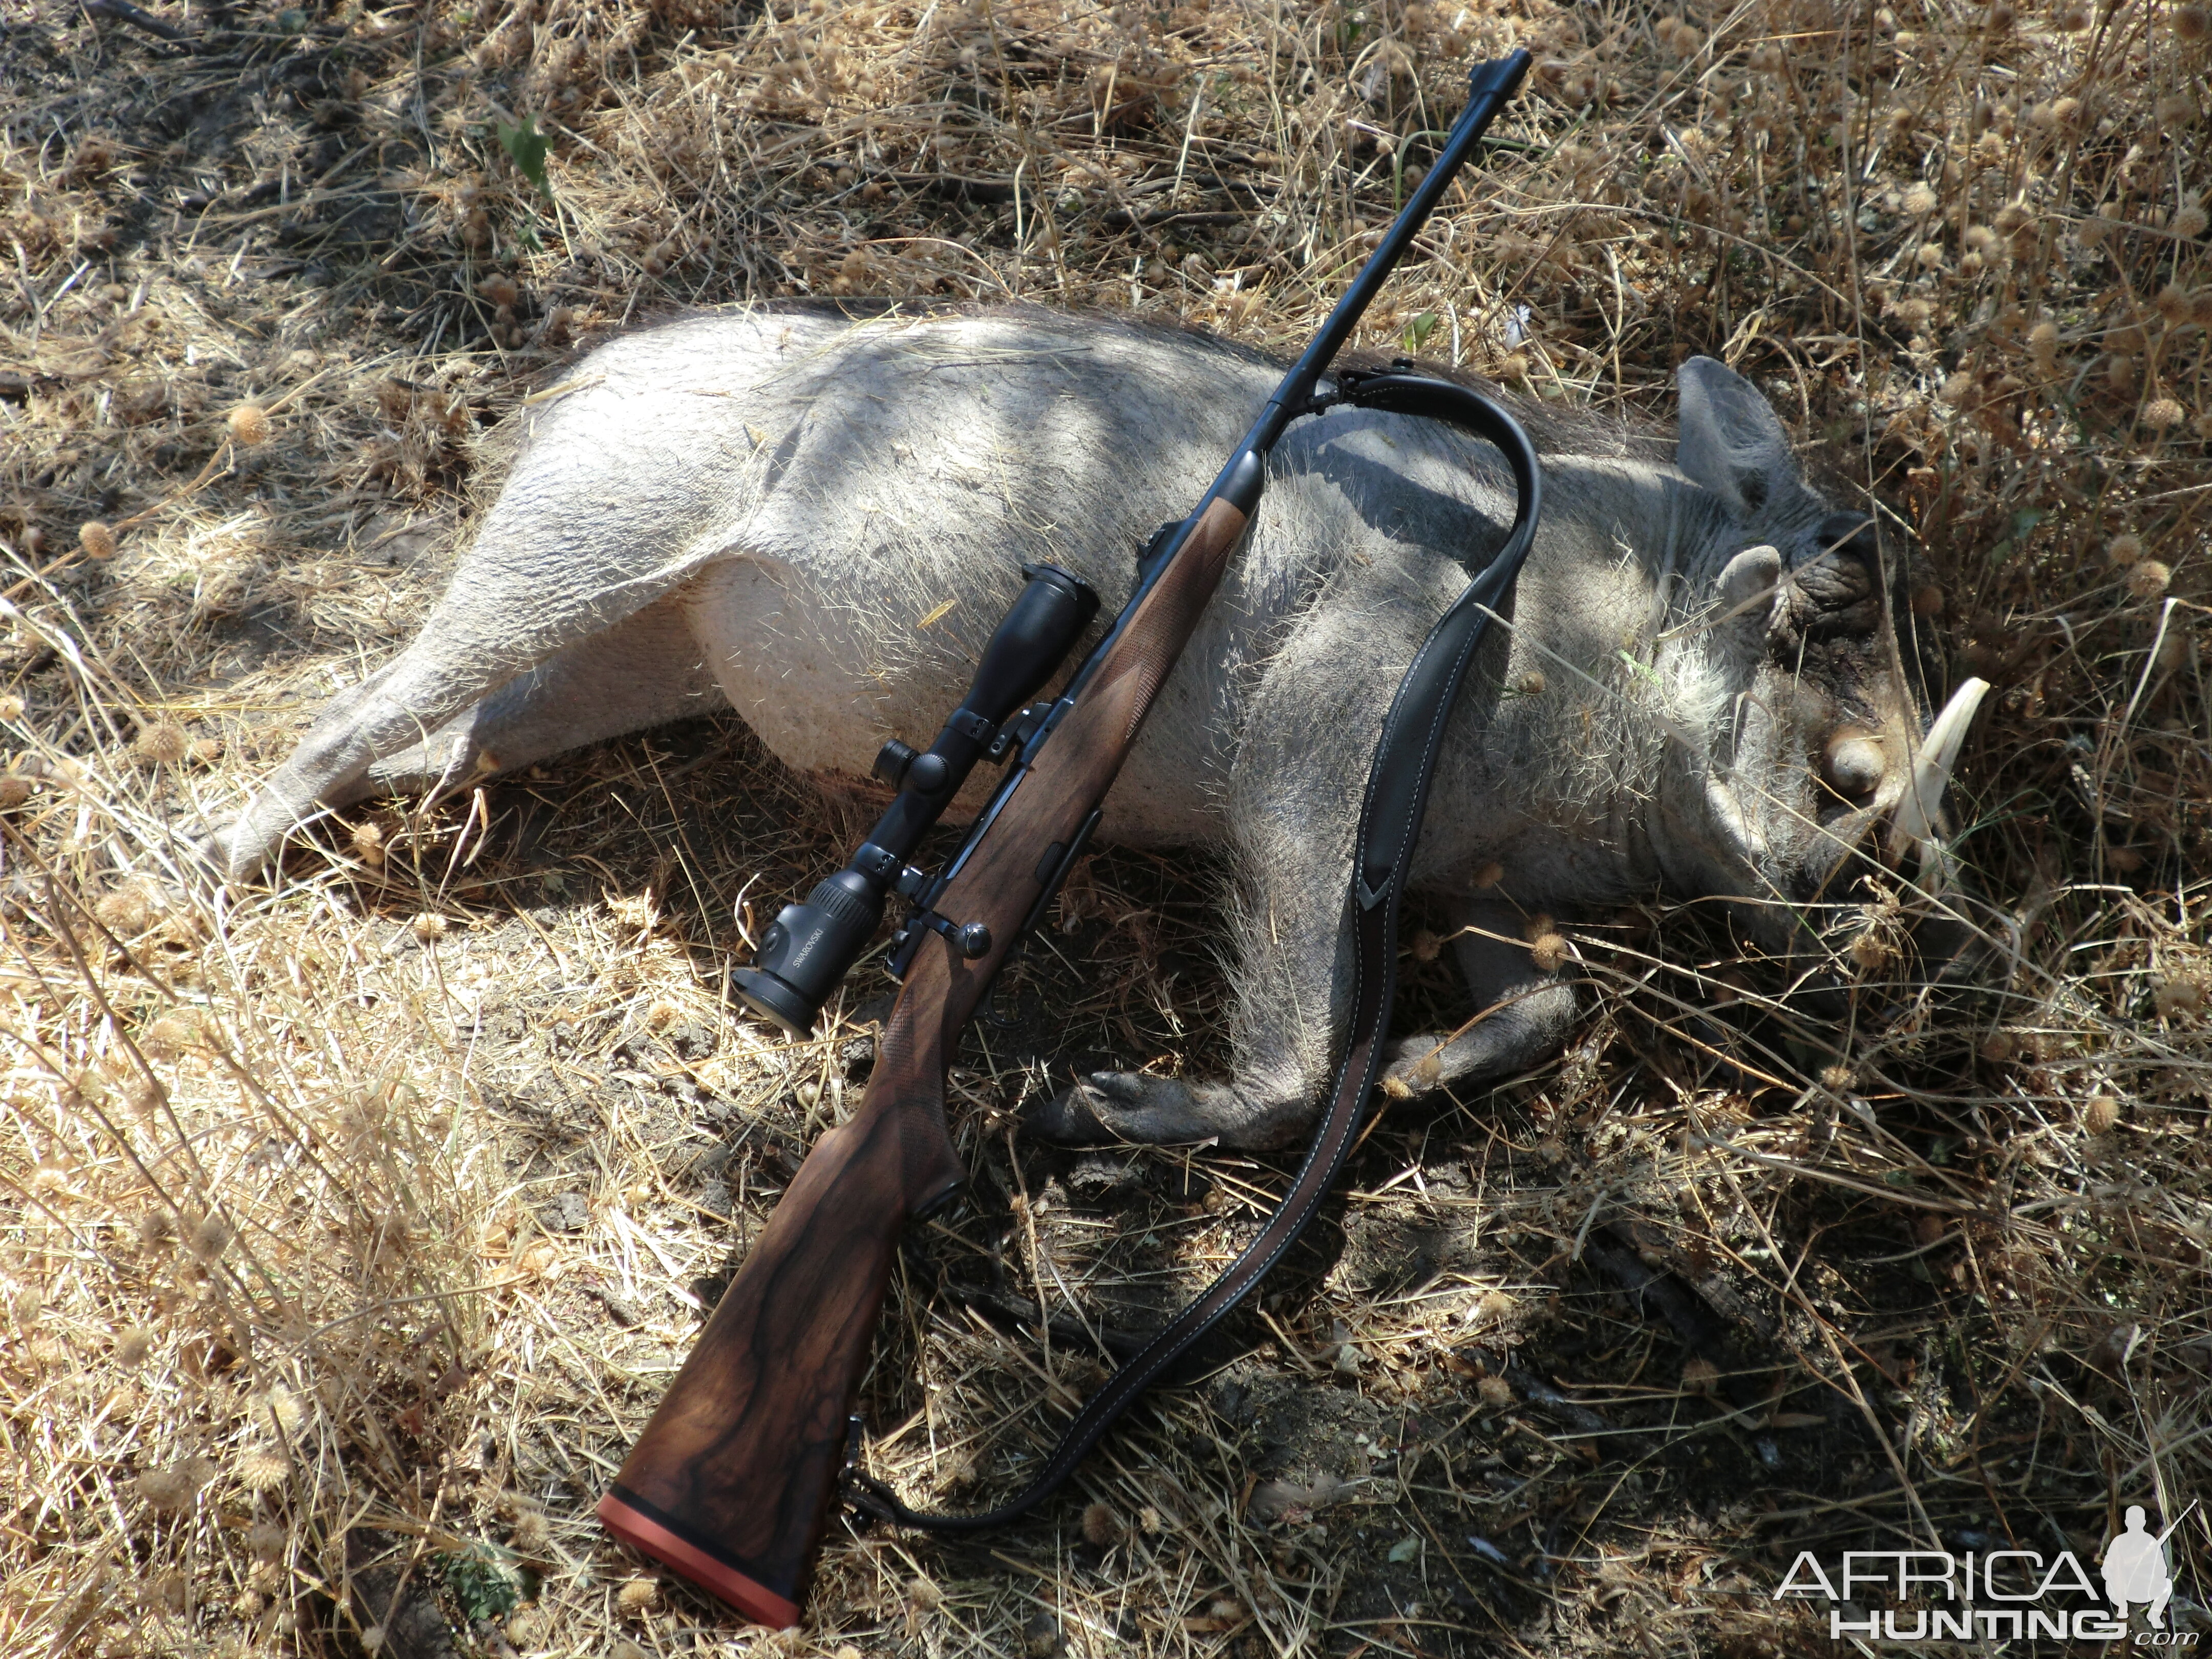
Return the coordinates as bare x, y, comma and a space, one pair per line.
1854, 764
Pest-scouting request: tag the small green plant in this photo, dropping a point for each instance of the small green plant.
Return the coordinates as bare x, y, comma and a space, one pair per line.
1418, 332
487, 1580
525, 147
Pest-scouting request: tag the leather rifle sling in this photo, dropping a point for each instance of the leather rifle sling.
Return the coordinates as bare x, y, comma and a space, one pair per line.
1390, 824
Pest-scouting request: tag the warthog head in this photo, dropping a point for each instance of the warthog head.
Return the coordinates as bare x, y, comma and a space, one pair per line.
1818, 788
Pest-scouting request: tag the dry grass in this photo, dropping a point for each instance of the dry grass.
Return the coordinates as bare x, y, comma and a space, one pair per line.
347, 1228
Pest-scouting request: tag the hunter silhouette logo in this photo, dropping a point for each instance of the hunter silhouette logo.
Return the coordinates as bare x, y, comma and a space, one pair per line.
2135, 1567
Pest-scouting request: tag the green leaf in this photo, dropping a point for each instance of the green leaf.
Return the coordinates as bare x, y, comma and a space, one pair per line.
1643, 670
488, 1582
1405, 1548
1418, 332
525, 147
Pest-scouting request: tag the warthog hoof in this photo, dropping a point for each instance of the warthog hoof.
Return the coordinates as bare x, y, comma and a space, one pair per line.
1110, 1107
1107, 1106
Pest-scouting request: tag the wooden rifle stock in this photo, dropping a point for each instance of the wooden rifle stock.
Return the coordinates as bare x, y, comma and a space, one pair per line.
732, 1480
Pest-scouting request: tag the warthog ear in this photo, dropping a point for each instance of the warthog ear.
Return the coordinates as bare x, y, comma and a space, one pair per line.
1731, 442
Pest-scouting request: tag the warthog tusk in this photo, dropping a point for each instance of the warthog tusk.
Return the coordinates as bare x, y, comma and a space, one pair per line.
1914, 820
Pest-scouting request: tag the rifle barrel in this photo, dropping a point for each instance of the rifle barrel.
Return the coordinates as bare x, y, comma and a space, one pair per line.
1490, 85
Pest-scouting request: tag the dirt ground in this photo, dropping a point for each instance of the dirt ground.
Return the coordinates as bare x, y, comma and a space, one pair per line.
351, 1225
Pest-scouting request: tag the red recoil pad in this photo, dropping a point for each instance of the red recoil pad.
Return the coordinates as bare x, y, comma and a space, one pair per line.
626, 1518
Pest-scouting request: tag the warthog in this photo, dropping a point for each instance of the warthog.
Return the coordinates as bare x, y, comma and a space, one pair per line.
1709, 687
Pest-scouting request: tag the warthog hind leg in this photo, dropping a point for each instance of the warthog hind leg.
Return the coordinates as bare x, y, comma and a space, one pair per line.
456, 704
643, 671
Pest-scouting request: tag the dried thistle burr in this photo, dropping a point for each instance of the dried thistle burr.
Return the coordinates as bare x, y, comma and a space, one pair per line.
162, 743
2162, 414
2148, 580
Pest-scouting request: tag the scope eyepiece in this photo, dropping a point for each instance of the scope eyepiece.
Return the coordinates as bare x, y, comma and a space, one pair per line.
892, 761
810, 947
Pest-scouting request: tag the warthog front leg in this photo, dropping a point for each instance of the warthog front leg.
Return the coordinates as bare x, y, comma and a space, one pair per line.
1522, 1013
1522, 1016
1292, 974
1294, 798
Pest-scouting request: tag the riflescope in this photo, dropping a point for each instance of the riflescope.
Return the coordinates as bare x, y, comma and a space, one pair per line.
808, 948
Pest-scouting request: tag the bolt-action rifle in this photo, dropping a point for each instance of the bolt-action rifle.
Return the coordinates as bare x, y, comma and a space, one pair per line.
732, 1482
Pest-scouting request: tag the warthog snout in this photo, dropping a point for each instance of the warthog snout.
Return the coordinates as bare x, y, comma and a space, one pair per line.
1894, 903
